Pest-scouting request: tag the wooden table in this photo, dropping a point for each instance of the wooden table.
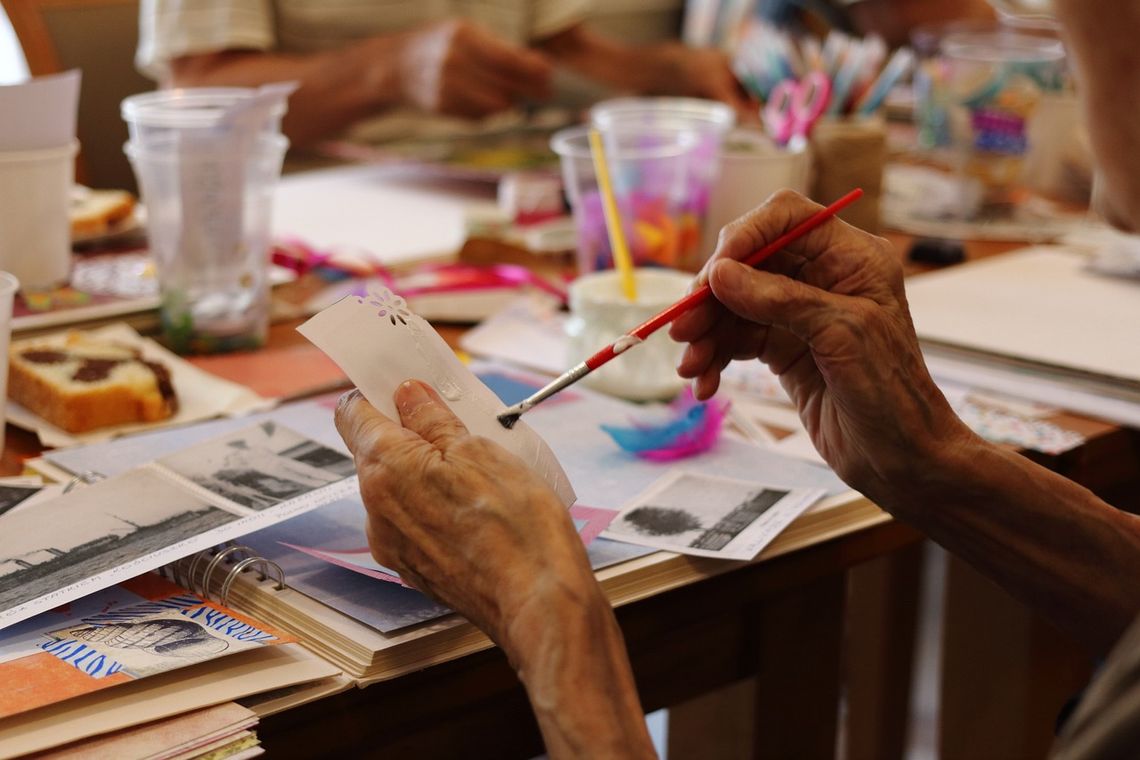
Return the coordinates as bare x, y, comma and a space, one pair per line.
784, 636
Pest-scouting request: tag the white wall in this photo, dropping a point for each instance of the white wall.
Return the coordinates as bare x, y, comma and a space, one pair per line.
13, 68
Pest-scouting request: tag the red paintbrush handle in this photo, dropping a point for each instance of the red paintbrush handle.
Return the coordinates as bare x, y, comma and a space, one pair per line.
651, 325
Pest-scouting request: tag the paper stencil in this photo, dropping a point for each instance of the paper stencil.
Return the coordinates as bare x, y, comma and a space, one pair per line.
379, 344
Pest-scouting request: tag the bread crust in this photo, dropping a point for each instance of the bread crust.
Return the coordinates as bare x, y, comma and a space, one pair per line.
83, 409
99, 211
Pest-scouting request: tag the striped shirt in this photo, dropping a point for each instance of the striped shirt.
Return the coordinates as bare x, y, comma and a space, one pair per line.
170, 29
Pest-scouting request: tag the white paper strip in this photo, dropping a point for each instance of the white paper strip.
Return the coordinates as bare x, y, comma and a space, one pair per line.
379, 344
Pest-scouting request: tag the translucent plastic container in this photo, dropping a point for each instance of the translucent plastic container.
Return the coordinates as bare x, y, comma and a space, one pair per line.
693, 113
154, 117
662, 183
995, 83
209, 205
710, 120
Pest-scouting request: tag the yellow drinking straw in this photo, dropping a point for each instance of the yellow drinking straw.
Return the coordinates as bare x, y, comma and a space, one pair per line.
622, 260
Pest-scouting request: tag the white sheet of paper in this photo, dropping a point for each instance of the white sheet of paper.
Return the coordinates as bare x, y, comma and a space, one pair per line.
379, 344
530, 332
604, 476
707, 516
1039, 305
362, 209
47, 108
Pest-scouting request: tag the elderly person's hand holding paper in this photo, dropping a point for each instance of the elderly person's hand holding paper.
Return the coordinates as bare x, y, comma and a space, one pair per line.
467, 523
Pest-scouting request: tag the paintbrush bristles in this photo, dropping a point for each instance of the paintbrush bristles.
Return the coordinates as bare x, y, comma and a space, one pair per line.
508, 420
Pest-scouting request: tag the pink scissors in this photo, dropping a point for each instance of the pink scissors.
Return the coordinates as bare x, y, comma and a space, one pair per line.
794, 107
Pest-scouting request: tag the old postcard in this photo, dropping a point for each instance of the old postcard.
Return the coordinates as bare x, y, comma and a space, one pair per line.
104, 533
261, 466
690, 513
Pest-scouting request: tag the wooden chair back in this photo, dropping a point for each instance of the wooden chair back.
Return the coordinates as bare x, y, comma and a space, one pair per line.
98, 37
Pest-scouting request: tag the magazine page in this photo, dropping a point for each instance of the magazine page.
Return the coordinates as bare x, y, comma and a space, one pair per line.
139, 628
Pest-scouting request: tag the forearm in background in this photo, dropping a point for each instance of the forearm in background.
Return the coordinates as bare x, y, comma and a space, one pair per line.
643, 69
1045, 539
336, 88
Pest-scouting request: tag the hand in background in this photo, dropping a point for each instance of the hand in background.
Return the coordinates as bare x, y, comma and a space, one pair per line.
829, 316
459, 517
461, 69
706, 73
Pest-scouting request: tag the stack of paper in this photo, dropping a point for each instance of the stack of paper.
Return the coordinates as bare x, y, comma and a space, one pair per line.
1034, 324
134, 653
221, 732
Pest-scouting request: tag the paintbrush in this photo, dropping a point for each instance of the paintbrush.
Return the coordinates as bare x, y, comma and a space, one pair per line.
509, 416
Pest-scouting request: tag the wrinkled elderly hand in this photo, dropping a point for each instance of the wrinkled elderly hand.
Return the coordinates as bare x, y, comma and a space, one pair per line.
460, 517
462, 69
829, 316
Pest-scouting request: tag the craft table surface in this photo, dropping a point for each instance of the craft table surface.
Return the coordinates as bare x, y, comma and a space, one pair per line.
784, 637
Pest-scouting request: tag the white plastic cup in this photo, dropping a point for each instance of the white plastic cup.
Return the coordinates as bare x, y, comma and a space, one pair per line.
8, 287
208, 207
600, 314
752, 168
35, 226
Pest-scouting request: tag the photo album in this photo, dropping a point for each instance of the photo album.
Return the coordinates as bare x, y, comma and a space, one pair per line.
148, 516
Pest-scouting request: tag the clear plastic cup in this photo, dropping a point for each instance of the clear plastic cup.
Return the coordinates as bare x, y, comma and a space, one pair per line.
208, 207
995, 83
662, 187
709, 119
154, 118
703, 116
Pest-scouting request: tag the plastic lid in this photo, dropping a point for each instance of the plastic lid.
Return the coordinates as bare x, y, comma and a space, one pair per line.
632, 143
1002, 47
710, 112
187, 107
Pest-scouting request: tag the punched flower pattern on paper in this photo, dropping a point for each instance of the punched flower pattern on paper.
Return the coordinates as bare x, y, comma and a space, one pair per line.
394, 309
380, 343
387, 304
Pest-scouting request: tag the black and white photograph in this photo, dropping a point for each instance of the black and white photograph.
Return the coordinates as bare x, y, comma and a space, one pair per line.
12, 496
261, 466
709, 516
94, 529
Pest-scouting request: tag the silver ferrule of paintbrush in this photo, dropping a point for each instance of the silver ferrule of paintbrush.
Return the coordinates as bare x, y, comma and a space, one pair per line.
509, 416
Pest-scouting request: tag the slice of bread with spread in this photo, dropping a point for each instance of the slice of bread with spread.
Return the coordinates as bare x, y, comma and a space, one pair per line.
86, 384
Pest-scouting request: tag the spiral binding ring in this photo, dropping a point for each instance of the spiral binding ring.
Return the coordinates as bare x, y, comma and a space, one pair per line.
268, 566
188, 581
86, 477
216, 560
